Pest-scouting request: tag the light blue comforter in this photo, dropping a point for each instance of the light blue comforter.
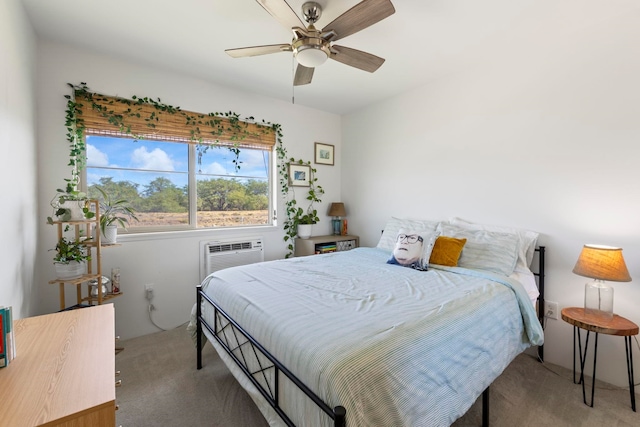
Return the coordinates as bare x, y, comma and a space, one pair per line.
394, 346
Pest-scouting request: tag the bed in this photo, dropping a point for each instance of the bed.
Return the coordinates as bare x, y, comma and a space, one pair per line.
348, 338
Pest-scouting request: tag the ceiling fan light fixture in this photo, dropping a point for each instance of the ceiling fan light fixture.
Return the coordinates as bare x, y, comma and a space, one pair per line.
312, 47
311, 56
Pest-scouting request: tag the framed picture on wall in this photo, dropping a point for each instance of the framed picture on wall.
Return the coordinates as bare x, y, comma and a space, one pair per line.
324, 154
299, 175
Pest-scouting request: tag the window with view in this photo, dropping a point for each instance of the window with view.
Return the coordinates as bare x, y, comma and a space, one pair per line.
174, 185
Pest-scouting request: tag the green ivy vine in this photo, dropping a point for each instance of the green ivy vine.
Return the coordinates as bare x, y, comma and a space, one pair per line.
233, 125
295, 213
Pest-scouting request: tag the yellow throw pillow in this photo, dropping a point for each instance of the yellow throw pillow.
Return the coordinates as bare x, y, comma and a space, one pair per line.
446, 251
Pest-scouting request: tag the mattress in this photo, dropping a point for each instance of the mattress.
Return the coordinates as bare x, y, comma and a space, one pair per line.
393, 345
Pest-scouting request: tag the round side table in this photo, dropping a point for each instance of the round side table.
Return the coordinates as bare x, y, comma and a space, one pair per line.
617, 325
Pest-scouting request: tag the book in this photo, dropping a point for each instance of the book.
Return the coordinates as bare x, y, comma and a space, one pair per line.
326, 248
3, 343
11, 342
8, 345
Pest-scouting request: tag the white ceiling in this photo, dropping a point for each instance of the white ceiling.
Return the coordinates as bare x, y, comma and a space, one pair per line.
423, 41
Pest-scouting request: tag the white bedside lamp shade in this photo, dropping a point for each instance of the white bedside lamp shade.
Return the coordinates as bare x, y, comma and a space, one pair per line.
601, 263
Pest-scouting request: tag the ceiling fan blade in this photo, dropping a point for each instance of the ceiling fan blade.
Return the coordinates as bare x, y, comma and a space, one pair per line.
356, 58
243, 52
303, 75
359, 17
282, 12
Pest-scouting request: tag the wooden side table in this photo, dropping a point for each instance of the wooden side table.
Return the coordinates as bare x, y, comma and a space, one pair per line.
618, 326
311, 246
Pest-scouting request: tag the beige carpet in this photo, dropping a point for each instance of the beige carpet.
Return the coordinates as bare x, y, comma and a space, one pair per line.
162, 387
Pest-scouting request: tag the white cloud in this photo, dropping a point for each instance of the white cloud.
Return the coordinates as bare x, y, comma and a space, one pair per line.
252, 159
96, 157
214, 168
156, 159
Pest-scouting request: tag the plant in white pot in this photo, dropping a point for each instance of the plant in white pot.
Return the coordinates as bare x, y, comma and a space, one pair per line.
113, 213
70, 259
304, 224
70, 205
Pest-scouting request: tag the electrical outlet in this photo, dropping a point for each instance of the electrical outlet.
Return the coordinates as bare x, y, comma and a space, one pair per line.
149, 291
551, 309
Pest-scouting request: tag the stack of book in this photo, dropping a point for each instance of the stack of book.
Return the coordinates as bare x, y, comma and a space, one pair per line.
7, 340
325, 248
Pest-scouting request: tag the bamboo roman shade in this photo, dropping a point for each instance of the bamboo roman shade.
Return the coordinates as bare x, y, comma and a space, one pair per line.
144, 120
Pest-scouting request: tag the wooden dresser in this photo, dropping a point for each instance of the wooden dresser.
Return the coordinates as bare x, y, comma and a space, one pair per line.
63, 373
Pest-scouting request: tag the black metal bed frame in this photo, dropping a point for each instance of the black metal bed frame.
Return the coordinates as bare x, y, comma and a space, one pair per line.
540, 275
234, 339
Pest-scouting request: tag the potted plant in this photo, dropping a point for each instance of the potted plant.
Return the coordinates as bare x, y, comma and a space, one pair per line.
70, 205
70, 259
113, 213
305, 222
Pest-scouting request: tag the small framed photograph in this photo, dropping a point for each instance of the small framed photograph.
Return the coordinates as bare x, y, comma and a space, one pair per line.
299, 175
324, 154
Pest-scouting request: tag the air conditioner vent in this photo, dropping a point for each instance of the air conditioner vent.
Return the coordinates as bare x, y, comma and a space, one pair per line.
225, 247
218, 255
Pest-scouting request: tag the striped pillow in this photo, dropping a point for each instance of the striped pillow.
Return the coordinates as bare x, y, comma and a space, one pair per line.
485, 250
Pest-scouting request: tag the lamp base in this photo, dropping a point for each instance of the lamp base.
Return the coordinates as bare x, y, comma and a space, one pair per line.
598, 299
337, 226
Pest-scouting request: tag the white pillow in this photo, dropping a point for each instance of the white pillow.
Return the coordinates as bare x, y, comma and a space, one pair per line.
485, 250
528, 281
527, 238
413, 249
393, 226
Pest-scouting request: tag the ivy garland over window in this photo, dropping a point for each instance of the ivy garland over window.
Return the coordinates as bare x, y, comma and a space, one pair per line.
148, 118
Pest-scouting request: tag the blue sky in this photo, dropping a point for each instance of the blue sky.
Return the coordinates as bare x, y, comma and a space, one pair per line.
103, 152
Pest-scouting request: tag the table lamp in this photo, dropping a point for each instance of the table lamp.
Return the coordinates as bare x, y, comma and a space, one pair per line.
601, 263
336, 211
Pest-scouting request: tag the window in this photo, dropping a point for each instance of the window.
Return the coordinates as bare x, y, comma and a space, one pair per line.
173, 182
154, 177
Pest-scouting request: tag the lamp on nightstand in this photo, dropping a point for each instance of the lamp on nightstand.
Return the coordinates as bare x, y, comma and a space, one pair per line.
601, 263
336, 211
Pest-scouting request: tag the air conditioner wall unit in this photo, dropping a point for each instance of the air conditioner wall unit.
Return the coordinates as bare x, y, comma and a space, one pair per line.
219, 254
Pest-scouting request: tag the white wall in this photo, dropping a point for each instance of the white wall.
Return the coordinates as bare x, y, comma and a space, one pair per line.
547, 140
18, 172
171, 263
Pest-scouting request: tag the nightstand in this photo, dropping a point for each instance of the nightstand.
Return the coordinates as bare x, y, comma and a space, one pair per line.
618, 326
325, 244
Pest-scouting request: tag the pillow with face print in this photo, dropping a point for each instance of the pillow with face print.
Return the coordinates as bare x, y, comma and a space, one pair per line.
413, 249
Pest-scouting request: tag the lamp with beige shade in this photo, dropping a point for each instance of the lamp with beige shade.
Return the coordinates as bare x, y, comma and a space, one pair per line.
601, 263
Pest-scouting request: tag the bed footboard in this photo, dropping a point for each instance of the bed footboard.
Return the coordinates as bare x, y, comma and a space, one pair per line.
241, 346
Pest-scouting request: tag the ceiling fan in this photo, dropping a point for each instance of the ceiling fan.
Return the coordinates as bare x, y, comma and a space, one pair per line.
312, 47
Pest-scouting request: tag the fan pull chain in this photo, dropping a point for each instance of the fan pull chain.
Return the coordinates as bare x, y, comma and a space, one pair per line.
293, 76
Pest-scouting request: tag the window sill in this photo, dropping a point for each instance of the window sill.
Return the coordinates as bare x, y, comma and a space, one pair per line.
202, 233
